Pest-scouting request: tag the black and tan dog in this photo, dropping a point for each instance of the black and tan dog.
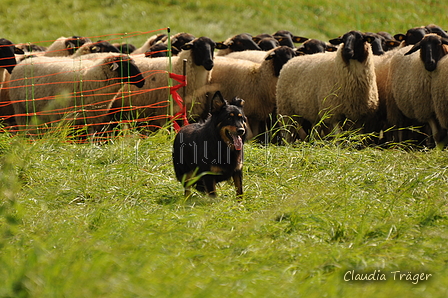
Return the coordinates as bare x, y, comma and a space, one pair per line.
210, 152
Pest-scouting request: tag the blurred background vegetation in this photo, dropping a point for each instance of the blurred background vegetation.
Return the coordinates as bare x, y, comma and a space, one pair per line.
42, 20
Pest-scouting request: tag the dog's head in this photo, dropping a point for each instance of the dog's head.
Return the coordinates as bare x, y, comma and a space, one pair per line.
230, 120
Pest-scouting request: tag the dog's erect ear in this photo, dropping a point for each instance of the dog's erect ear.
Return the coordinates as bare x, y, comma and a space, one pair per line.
217, 102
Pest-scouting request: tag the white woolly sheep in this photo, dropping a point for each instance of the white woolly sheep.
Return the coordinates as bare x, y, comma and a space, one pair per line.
410, 79
48, 89
199, 56
342, 84
439, 91
254, 56
253, 82
65, 46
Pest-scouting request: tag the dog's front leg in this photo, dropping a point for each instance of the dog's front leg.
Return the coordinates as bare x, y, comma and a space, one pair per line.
238, 181
210, 185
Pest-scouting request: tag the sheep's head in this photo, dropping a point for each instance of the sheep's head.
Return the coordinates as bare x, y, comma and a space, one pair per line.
286, 38
202, 51
102, 46
124, 69
414, 35
75, 42
238, 43
280, 56
7, 57
313, 46
178, 40
432, 48
353, 45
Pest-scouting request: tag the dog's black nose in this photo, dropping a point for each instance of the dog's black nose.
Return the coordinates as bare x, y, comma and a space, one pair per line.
240, 131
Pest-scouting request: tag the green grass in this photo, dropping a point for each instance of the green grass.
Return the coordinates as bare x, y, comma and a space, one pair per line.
88, 220
113, 219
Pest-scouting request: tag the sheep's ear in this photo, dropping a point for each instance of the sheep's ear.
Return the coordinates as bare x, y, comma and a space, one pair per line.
217, 102
392, 43
414, 49
400, 37
18, 51
330, 48
298, 39
221, 46
279, 39
369, 38
114, 66
270, 56
256, 39
187, 46
336, 41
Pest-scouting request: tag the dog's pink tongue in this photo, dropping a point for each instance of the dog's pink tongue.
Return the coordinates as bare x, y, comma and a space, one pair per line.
237, 142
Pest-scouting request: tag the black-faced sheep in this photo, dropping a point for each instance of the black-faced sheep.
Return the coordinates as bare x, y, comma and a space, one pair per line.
439, 90
237, 43
47, 89
29, 48
253, 82
380, 44
161, 43
149, 42
286, 38
125, 48
7, 64
313, 46
101, 46
309, 47
410, 79
341, 84
266, 42
199, 55
65, 46
160, 48
416, 34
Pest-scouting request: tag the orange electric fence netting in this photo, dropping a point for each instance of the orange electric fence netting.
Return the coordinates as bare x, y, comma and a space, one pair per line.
76, 105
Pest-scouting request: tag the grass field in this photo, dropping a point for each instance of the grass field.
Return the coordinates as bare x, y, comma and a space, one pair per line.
88, 220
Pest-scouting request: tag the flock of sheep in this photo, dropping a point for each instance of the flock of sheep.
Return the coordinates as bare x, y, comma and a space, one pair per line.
373, 81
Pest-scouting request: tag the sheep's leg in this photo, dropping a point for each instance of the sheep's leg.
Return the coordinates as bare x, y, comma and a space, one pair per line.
436, 131
337, 129
249, 133
254, 127
302, 133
